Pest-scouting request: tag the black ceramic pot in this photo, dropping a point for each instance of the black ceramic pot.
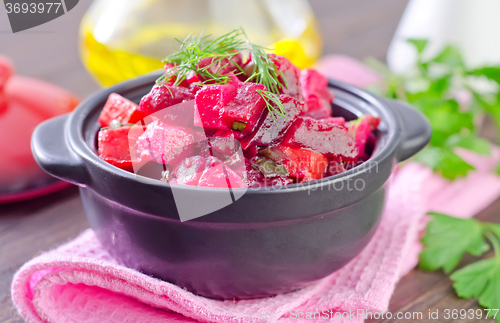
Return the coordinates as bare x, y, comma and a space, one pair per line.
265, 243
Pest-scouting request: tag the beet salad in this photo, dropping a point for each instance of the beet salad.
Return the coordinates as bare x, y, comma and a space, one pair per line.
228, 114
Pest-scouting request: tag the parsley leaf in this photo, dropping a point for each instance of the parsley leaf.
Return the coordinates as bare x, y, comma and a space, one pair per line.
447, 240
451, 57
490, 297
453, 97
420, 44
471, 280
481, 279
491, 72
444, 117
478, 145
444, 161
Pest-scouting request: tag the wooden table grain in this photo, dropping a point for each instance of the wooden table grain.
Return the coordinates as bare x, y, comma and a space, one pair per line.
358, 28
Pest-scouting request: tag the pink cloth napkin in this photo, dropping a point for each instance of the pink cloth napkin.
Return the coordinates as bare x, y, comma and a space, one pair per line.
348, 70
80, 282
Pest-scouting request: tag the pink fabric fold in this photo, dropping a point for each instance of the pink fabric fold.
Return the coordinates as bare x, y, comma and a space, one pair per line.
348, 70
80, 282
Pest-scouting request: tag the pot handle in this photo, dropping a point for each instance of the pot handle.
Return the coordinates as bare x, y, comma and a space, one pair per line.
52, 153
417, 130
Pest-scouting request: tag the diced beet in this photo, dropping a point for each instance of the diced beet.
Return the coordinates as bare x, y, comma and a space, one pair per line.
251, 151
216, 177
202, 148
164, 96
229, 133
325, 138
180, 115
289, 77
253, 178
237, 163
119, 108
224, 66
315, 90
219, 106
271, 130
212, 161
371, 143
171, 69
225, 143
279, 181
114, 146
361, 129
168, 66
191, 81
339, 121
202, 142
165, 144
234, 180
208, 103
246, 107
373, 122
317, 108
313, 82
188, 171
195, 83
302, 164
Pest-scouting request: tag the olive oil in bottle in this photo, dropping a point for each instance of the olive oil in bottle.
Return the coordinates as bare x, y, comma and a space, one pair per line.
124, 39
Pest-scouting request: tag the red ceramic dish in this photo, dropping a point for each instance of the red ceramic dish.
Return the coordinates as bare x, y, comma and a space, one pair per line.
25, 103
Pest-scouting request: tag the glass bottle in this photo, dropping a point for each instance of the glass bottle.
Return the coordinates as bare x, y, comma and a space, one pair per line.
124, 39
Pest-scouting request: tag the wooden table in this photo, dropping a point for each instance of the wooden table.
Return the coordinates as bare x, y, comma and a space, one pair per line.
358, 28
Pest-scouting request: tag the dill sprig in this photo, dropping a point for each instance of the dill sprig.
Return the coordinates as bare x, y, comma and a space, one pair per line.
265, 70
269, 99
195, 48
186, 59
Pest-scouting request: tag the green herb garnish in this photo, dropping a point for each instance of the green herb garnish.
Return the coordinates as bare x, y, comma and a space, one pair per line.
448, 239
265, 71
435, 86
193, 49
271, 99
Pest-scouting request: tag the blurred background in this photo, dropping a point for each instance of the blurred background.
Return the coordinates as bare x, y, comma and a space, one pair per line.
358, 28
364, 42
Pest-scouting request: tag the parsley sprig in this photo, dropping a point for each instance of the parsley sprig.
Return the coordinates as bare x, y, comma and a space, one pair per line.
435, 86
185, 63
448, 239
